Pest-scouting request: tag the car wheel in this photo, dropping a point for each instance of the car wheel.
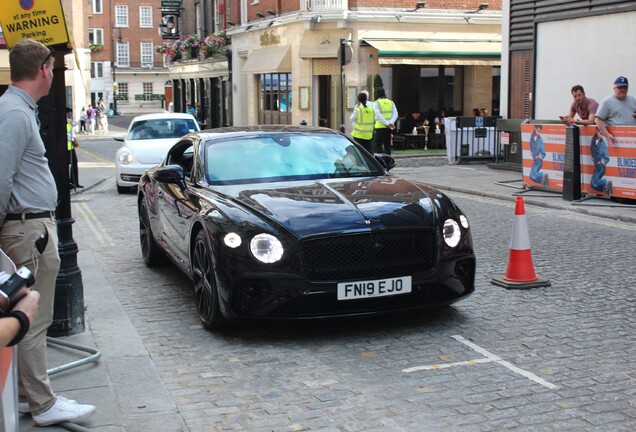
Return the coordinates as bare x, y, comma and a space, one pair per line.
205, 288
151, 252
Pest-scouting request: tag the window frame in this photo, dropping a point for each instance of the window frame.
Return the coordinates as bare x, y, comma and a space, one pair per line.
93, 38
98, 6
149, 54
147, 17
97, 69
123, 53
122, 16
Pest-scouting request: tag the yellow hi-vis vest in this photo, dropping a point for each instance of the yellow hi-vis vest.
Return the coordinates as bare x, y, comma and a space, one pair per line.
69, 136
363, 126
386, 110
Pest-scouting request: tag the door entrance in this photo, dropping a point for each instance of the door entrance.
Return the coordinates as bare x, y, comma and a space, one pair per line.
324, 101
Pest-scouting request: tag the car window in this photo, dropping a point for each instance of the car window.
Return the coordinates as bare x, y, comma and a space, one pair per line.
286, 156
161, 128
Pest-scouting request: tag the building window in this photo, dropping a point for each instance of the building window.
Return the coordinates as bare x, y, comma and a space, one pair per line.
97, 69
123, 54
198, 19
96, 36
122, 93
147, 91
145, 16
121, 16
97, 7
147, 54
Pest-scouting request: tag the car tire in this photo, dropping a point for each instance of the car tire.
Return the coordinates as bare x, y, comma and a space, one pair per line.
205, 287
152, 254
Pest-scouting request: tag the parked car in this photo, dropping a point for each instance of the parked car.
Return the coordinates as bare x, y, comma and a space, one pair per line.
298, 222
149, 138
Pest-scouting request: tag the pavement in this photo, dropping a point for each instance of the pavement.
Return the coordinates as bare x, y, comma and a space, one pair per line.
124, 359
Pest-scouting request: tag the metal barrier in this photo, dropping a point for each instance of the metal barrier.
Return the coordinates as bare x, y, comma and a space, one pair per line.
472, 139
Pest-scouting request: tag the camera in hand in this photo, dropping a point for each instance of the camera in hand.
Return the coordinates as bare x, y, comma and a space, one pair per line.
14, 287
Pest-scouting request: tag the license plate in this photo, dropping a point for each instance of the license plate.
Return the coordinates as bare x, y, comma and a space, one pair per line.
374, 288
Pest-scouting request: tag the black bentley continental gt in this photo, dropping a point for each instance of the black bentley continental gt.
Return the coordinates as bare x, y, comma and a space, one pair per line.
297, 222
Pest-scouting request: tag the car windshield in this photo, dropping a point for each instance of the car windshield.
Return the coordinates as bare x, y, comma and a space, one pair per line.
285, 157
161, 128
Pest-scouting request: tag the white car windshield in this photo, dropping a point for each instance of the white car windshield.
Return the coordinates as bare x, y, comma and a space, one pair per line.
161, 129
286, 157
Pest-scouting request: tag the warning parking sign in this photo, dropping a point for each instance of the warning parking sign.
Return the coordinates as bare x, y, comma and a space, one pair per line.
42, 20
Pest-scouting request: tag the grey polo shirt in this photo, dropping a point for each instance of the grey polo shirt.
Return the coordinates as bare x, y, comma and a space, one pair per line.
26, 182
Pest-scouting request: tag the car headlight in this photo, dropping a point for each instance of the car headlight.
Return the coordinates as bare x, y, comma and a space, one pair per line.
125, 157
266, 248
464, 221
452, 235
232, 240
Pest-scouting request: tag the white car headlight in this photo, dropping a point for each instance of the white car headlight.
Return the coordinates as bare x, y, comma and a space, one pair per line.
232, 240
125, 157
464, 221
452, 235
266, 248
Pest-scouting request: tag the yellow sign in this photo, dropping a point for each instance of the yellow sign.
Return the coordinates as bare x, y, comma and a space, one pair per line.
42, 20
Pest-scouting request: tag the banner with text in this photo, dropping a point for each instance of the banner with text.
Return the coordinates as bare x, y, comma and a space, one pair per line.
608, 170
543, 155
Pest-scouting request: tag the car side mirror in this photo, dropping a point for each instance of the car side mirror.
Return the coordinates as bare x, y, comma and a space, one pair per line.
385, 160
174, 174
119, 137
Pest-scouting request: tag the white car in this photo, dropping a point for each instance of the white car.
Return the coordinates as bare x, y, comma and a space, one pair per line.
149, 138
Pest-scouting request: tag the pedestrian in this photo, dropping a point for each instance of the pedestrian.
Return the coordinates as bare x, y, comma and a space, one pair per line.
190, 109
618, 109
72, 144
582, 106
102, 116
90, 117
82, 121
28, 231
537, 151
362, 120
386, 115
409, 124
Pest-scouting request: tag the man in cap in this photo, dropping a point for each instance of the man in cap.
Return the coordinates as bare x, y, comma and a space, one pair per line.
616, 110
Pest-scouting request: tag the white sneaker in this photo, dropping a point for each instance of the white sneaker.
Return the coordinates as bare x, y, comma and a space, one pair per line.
63, 410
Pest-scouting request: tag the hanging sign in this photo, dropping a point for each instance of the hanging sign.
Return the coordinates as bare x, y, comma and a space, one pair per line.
42, 20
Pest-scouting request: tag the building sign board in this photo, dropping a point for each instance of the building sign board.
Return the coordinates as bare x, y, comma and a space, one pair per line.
42, 20
170, 3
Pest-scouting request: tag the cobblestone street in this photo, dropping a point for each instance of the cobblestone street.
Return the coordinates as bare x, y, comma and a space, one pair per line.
547, 359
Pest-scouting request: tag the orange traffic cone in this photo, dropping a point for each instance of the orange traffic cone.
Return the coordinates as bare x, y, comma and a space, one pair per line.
520, 272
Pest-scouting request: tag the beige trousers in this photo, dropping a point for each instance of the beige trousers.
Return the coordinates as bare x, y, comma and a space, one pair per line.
17, 239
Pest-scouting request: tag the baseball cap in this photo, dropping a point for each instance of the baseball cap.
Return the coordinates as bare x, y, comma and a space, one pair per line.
621, 81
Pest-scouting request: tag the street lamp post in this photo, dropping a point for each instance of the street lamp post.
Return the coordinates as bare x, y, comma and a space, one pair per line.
114, 66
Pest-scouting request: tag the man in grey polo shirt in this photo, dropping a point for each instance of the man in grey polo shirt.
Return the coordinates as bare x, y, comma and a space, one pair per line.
616, 110
28, 231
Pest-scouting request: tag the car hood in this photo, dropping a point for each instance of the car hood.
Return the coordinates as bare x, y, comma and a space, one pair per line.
336, 205
150, 152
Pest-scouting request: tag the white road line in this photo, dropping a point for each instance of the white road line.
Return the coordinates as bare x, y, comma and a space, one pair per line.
447, 365
498, 360
488, 358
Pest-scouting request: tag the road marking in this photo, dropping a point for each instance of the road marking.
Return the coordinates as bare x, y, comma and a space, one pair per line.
488, 358
94, 224
110, 162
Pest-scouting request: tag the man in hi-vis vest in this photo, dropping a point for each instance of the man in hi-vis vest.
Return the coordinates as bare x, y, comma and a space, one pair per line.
362, 120
386, 115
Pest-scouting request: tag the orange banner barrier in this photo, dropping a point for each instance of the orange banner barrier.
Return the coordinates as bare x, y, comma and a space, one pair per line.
543, 155
608, 170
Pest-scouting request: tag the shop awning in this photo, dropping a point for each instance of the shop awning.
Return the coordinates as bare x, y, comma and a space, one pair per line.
322, 43
437, 48
268, 60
